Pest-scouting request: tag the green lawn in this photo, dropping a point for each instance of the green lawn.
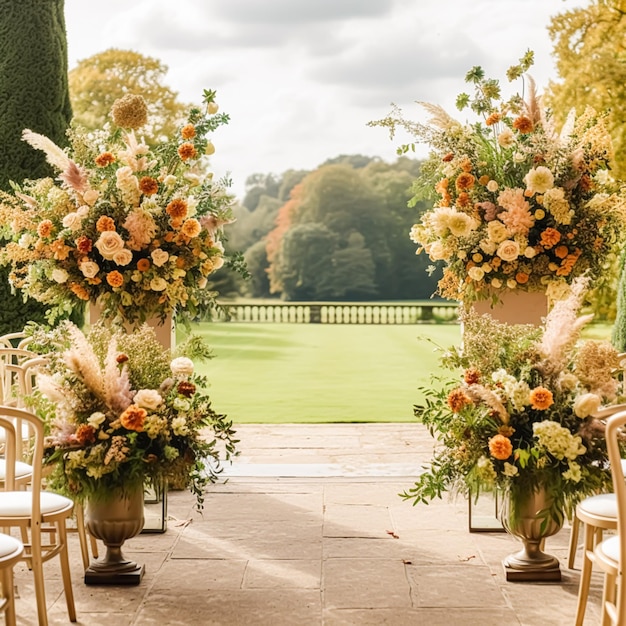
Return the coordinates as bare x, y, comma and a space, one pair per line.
287, 373
307, 373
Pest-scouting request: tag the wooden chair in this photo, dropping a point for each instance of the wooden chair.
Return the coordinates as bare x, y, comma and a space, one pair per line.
11, 551
610, 554
598, 513
31, 510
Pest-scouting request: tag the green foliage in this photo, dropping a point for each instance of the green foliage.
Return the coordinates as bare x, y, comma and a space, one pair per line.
33, 94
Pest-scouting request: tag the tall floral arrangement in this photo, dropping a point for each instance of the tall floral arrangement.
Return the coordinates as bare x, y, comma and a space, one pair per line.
136, 228
122, 412
516, 204
521, 409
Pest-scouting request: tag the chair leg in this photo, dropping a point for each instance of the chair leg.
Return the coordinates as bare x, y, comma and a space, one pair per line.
36, 562
82, 534
65, 571
94, 546
7, 591
573, 542
585, 574
608, 597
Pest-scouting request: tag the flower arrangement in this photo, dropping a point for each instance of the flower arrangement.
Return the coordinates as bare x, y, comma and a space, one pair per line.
517, 206
135, 227
524, 414
122, 413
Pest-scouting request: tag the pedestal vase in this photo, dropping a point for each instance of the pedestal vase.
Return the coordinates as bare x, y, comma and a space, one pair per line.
113, 520
516, 307
527, 516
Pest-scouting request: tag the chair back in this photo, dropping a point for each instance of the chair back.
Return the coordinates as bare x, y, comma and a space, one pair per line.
615, 434
9, 416
11, 385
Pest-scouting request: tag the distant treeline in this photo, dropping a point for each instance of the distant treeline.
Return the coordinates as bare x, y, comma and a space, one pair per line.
340, 232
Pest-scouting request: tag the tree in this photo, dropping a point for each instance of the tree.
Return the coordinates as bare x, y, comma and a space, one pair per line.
33, 84
304, 260
96, 82
590, 52
258, 286
33, 94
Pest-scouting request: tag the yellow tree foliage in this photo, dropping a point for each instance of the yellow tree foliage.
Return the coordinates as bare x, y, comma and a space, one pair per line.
96, 82
590, 53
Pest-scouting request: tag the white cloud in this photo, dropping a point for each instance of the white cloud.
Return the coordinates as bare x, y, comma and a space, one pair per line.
301, 79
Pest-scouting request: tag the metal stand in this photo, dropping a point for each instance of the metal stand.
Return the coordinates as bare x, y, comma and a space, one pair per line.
155, 508
484, 513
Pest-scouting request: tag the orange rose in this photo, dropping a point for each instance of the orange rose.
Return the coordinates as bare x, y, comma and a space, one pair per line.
133, 418
500, 447
115, 279
457, 399
541, 398
187, 151
105, 224
148, 186
188, 131
143, 265
104, 159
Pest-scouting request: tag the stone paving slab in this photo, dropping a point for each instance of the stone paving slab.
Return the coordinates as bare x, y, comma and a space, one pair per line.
318, 550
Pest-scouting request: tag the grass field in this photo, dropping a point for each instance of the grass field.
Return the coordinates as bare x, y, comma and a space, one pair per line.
307, 373
284, 373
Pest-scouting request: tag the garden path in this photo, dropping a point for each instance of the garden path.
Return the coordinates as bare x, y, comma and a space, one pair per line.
309, 530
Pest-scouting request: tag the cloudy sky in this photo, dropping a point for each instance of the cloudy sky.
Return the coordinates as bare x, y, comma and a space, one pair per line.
301, 78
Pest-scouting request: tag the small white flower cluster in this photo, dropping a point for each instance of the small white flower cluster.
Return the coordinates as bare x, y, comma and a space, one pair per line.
557, 440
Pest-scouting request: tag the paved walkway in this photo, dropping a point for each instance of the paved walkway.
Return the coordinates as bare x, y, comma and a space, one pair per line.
309, 530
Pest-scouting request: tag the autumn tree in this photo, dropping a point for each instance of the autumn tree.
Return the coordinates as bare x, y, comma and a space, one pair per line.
590, 53
33, 94
96, 82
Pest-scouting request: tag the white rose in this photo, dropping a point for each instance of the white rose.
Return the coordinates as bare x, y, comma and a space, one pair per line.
509, 469
218, 261
148, 399
90, 196
95, 419
436, 251
202, 283
179, 426
59, 275
529, 252
508, 250
586, 404
159, 257
511, 283
72, 221
476, 273
123, 257
182, 366
496, 283
170, 180
158, 284
506, 138
89, 269
109, 244
492, 186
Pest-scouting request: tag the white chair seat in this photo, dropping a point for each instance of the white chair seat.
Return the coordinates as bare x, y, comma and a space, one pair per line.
603, 505
19, 503
610, 548
22, 470
9, 547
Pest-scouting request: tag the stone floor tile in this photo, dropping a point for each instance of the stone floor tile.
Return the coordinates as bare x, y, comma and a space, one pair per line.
356, 520
454, 586
419, 617
286, 573
246, 607
216, 574
365, 583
